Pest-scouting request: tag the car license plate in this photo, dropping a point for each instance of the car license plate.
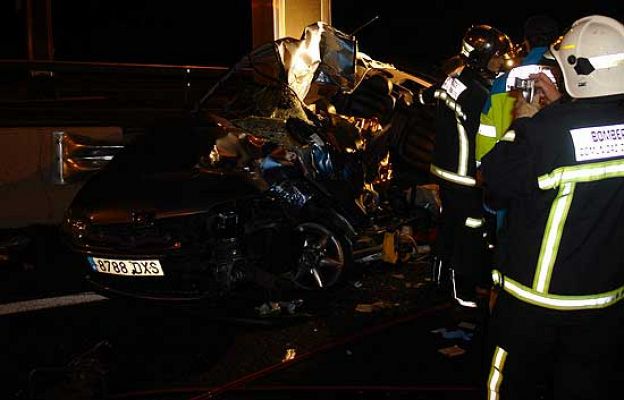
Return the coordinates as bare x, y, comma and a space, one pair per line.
126, 267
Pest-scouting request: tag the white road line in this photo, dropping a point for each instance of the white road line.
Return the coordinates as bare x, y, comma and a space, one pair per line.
50, 302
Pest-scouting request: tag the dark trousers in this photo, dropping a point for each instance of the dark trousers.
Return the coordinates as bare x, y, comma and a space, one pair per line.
461, 247
561, 355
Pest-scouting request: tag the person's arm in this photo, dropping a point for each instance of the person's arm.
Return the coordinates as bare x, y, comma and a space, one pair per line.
426, 96
545, 93
508, 169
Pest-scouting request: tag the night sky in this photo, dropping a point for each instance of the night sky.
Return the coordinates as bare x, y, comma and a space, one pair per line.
186, 31
424, 38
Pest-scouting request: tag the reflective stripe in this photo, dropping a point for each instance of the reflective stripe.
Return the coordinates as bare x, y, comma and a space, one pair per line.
421, 98
557, 302
462, 162
452, 176
607, 61
450, 103
487, 130
496, 373
462, 137
565, 178
474, 222
582, 173
552, 237
460, 301
509, 136
466, 48
497, 278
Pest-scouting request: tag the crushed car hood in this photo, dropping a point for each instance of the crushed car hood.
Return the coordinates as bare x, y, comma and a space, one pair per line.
110, 198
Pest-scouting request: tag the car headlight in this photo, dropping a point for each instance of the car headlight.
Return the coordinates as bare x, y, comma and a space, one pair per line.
74, 226
78, 228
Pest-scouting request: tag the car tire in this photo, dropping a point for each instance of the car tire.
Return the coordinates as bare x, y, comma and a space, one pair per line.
321, 256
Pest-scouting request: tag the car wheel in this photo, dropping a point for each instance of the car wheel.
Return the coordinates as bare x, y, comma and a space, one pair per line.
320, 256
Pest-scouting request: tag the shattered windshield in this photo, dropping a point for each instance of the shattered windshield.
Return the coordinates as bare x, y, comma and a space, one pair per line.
279, 80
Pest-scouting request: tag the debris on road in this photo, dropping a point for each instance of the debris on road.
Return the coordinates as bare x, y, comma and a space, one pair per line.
467, 325
452, 351
268, 308
279, 307
453, 334
290, 355
367, 308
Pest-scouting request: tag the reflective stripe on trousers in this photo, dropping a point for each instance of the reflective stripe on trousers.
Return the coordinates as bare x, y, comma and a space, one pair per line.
474, 222
496, 373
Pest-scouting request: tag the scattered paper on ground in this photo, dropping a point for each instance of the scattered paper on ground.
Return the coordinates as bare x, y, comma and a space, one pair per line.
367, 308
467, 325
452, 351
454, 334
290, 354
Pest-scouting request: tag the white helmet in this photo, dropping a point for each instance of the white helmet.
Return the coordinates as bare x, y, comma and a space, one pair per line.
591, 57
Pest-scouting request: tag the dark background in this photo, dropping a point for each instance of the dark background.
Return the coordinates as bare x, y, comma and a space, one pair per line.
423, 38
410, 34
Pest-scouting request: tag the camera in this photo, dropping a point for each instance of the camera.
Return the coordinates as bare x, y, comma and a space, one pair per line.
526, 86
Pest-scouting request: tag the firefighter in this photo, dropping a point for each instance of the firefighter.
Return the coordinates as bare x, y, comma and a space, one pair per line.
558, 322
460, 98
539, 32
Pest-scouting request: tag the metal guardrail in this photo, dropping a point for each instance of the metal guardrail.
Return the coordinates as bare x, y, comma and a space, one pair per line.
69, 92
77, 156
94, 65
157, 83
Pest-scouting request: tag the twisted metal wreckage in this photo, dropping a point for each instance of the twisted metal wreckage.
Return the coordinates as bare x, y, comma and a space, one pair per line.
306, 157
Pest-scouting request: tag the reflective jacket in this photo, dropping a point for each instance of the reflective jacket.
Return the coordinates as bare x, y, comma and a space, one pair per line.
497, 111
459, 103
562, 173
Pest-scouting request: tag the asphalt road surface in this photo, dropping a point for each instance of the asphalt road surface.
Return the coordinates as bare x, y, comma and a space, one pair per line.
378, 336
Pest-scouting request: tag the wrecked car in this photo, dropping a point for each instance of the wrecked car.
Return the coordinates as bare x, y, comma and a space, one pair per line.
303, 160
